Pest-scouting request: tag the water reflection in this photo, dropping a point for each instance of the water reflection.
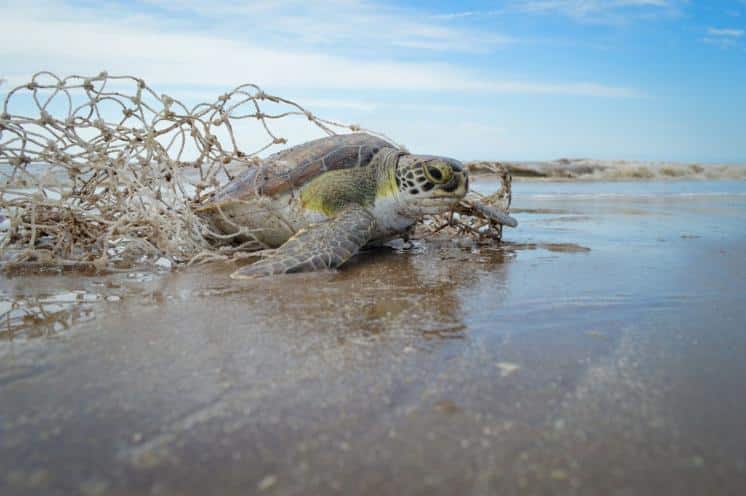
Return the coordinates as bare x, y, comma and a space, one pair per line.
382, 295
177, 354
383, 292
43, 316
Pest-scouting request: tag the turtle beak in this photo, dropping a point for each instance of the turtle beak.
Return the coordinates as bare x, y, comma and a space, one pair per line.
455, 164
453, 184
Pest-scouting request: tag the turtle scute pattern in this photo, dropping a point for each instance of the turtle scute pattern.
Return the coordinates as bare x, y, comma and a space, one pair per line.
292, 168
321, 246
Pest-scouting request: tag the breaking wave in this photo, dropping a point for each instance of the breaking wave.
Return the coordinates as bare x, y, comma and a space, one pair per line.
613, 170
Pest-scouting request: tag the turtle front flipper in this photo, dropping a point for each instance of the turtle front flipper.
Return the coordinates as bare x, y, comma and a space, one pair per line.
321, 246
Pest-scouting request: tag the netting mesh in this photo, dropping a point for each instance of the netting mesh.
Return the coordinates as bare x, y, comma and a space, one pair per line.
103, 172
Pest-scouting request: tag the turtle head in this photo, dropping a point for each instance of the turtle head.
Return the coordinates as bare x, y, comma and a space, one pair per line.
429, 184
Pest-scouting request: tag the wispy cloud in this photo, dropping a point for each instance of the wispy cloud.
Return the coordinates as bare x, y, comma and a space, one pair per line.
724, 37
728, 33
150, 46
467, 14
601, 11
342, 24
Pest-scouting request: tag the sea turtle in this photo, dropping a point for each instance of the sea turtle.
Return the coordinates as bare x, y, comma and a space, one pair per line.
319, 203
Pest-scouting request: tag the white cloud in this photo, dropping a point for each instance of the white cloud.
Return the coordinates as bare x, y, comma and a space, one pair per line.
467, 13
604, 11
730, 33
402, 72
345, 24
724, 38
70, 41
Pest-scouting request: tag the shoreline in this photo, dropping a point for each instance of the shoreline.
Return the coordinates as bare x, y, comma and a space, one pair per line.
568, 170
571, 358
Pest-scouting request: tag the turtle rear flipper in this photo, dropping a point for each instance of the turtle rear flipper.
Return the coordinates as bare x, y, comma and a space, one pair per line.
321, 246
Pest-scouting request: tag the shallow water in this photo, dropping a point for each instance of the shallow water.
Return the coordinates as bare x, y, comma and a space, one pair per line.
599, 350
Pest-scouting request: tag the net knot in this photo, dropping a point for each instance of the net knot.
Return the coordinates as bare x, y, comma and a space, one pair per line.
223, 117
45, 119
20, 161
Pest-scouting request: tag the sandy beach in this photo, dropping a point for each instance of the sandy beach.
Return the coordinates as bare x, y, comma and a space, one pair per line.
598, 350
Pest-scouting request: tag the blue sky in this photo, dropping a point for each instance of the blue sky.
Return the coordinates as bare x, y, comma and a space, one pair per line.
512, 79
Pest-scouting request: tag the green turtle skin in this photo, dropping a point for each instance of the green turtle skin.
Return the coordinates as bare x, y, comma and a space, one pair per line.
316, 205
318, 248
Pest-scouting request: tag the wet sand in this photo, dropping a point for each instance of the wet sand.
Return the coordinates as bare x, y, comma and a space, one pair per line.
599, 351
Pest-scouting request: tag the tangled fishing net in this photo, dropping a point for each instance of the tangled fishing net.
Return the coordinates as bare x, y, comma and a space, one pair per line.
103, 173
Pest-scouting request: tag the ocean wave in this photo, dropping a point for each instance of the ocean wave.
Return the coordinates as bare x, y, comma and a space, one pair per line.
611, 170
628, 195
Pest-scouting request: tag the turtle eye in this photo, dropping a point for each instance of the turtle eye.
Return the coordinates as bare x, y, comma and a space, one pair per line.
435, 173
438, 172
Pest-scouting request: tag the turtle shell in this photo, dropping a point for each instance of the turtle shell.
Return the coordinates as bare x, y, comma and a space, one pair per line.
294, 167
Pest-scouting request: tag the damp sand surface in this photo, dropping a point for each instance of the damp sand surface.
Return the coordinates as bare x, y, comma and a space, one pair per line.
600, 350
